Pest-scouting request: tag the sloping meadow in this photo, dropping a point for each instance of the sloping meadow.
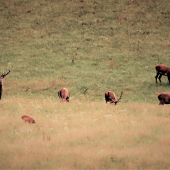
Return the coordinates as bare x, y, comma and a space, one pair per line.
89, 47
99, 45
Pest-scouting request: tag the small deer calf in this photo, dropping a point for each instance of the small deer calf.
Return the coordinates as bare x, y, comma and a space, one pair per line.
28, 119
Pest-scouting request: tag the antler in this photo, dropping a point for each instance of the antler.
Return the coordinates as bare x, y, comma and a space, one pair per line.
115, 102
120, 97
3, 75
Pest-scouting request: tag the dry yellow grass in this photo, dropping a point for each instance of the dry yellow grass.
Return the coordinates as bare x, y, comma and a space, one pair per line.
33, 85
84, 135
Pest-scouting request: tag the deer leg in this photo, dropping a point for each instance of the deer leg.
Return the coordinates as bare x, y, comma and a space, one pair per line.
169, 78
160, 77
67, 99
156, 77
161, 103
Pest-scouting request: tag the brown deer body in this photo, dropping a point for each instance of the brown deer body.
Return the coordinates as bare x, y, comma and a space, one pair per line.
164, 98
28, 119
64, 94
111, 97
1, 82
162, 70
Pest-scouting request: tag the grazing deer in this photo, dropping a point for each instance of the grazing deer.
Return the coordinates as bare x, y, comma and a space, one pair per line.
1, 82
64, 94
111, 97
162, 70
164, 98
28, 119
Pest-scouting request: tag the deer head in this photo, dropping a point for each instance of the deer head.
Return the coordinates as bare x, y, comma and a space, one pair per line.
115, 102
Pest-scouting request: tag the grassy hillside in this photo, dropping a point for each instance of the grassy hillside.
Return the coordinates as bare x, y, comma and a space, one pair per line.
99, 45
96, 44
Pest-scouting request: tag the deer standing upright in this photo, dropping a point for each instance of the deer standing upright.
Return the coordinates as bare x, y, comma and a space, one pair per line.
162, 70
1, 82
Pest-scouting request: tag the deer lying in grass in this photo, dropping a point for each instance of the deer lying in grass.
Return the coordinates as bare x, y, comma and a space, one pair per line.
164, 98
28, 119
162, 70
1, 82
111, 97
64, 94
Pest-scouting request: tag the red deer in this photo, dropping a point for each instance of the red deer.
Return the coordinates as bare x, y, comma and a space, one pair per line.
64, 94
162, 70
164, 98
28, 119
111, 97
1, 82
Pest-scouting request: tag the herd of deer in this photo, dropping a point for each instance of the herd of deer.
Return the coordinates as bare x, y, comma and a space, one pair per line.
110, 96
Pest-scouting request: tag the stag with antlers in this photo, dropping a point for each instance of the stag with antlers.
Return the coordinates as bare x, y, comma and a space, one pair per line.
111, 97
1, 82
